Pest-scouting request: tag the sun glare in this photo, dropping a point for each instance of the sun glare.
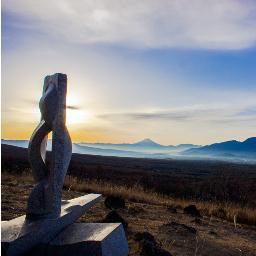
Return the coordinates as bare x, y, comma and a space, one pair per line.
74, 114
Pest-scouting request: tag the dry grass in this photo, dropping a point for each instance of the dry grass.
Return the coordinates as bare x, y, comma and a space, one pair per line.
214, 236
227, 211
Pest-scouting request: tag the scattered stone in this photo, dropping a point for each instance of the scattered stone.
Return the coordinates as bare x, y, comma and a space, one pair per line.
114, 217
114, 202
192, 210
149, 246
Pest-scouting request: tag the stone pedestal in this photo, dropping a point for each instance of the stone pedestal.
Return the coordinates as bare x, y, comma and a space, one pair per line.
21, 235
95, 239
80, 239
61, 237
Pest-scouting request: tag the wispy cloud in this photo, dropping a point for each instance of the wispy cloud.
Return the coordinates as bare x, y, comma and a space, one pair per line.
73, 107
207, 24
193, 113
137, 116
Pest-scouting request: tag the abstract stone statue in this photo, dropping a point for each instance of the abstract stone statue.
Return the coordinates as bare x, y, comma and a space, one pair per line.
49, 221
45, 199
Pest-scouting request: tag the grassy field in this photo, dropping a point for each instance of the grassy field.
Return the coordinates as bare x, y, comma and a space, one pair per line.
228, 211
161, 217
156, 193
211, 181
219, 189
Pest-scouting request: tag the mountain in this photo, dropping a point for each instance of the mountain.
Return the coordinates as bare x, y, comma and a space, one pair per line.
23, 143
231, 148
143, 146
148, 143
142, 143
146, 146
90, 150
17, 143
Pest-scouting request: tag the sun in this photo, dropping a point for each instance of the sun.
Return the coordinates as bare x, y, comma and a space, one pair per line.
74, 114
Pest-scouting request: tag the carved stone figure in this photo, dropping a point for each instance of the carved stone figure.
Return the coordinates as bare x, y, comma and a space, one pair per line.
45, 200
47, 224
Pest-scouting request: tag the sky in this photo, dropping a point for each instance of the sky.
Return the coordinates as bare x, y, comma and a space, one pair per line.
175, 71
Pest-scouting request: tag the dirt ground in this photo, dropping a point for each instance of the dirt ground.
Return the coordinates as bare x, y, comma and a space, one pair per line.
173, 231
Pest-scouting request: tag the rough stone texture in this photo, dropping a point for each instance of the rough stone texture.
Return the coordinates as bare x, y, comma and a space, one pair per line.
45, 199
99, 239
42, 231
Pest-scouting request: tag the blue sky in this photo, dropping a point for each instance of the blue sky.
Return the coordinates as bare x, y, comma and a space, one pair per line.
174, 71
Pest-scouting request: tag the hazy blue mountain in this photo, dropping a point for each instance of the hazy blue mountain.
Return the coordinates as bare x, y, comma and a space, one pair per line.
142, 143
23, 143
231, 148
17, 143
146, 145
82, 149
149, 143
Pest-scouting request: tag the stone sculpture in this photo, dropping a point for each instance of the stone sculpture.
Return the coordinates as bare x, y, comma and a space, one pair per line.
49, 221
45, 199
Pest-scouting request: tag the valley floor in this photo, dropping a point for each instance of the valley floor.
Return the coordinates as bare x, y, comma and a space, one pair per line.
174, 231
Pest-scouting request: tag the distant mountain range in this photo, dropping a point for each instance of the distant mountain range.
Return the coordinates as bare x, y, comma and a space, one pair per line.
146, 145
17, 143
229, 150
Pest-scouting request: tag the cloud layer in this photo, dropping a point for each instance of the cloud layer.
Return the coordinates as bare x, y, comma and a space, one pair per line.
204, 24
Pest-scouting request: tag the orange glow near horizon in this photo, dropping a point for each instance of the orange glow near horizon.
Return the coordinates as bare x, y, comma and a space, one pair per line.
17, 131
20, 131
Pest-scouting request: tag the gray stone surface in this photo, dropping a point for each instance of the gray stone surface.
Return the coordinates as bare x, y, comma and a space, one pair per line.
98, 239
20, 235
45, 199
